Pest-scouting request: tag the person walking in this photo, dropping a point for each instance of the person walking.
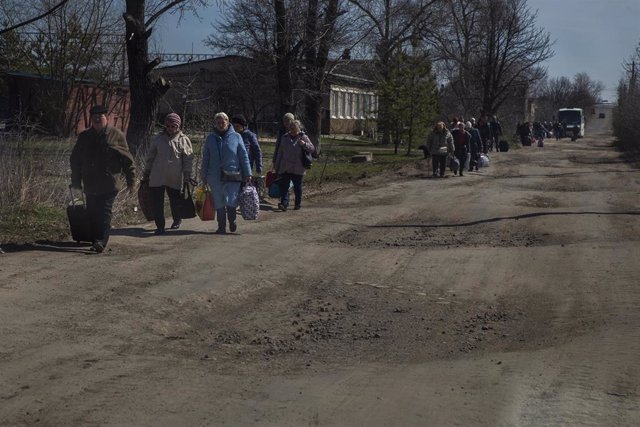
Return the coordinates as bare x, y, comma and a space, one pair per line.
289, 166
475, 146
225, 165
168, 166
485, 132
287, 119
496, 131
98, 158
462, 145
251, 143
440, 145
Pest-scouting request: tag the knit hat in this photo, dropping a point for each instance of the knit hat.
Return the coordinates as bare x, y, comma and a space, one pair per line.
239, 119
98, 109
172, 119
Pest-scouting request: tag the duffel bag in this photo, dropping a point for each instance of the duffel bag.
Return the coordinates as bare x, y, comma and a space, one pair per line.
145, 201
249, 202
483, 161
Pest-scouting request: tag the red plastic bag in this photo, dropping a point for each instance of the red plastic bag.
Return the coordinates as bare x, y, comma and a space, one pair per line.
271, 176
203, 199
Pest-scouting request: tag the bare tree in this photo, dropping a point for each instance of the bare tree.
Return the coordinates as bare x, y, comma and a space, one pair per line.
69, 45
140, 17
562, 92
626, 117
318, 40
493, 50
390, 25
293, 38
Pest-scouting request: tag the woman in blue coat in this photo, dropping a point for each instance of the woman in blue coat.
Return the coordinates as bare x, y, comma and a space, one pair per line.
225, 165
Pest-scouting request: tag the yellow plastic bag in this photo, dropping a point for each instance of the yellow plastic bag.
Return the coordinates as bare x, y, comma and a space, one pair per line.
203, 199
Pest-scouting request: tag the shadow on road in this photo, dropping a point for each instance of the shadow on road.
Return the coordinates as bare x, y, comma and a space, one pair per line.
149, 232
47, 246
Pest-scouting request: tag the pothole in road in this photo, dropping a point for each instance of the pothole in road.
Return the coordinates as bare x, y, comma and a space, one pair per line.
494, 234
539, 202
556, 185
299, 325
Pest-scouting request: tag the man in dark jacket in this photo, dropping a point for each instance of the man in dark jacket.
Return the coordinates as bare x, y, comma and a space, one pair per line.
462, 144
101, 154
250, 142
496, 131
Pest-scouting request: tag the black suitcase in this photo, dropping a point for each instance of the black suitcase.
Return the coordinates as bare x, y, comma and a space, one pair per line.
79, 220
503, 146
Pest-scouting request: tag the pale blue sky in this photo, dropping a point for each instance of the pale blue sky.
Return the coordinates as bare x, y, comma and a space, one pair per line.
592, 36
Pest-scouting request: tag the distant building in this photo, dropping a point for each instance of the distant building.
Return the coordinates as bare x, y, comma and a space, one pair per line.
236, 85
30, 101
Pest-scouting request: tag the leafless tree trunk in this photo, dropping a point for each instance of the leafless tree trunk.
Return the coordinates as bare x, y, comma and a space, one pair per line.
394, 23
144, 89
319, 38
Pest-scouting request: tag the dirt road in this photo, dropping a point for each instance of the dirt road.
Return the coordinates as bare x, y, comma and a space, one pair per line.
506, 297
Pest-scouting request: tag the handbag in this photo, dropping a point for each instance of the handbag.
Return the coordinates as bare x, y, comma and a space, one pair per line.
186, 206
274, 188
231, 176
307, 159
454, 164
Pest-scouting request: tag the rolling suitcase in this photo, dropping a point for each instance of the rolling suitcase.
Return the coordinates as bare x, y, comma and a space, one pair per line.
79, 220
503, 146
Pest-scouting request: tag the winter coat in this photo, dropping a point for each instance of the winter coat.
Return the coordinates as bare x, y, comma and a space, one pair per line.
440, 143
169, 161
461, 147
485, 131
289, 157
224, 151
496, 129
98, 158
253, 149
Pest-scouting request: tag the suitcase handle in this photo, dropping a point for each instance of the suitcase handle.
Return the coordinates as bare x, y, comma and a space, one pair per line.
73, 200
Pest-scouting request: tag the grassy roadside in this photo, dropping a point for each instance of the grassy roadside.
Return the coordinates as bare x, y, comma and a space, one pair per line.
34, 177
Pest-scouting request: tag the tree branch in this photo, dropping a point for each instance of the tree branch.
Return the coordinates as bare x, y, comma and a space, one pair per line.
22, 24
160, 12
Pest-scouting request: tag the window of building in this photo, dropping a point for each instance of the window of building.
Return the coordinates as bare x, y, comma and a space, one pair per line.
335, 103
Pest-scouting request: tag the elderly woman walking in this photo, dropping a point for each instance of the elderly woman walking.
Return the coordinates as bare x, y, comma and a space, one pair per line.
440, 144
168, 165
288, 163
225, 165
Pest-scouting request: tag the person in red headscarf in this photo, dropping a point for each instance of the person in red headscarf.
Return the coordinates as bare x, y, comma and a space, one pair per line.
168, 165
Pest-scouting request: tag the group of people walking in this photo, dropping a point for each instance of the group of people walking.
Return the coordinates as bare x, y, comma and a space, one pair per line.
229, 155
461, 140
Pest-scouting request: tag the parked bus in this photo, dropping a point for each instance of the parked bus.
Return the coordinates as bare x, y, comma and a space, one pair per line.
572, 118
